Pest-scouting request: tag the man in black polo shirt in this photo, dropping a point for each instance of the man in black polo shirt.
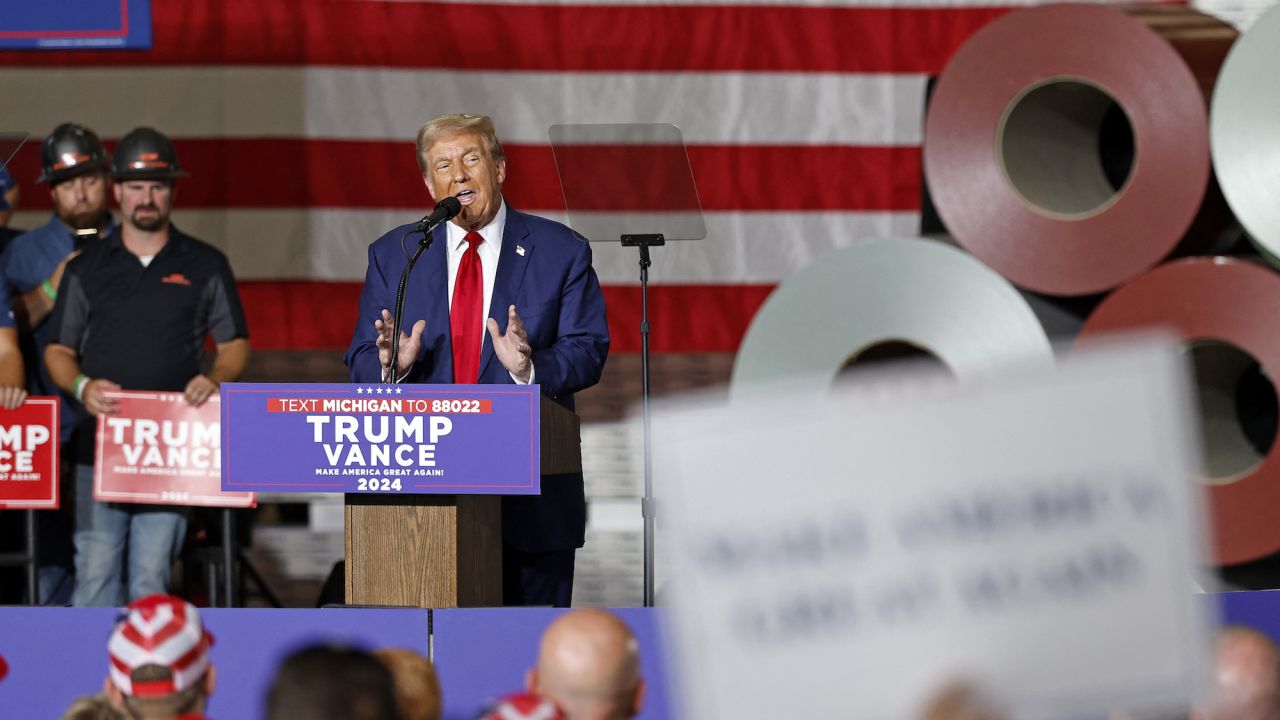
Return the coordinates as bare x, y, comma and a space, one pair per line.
133, 312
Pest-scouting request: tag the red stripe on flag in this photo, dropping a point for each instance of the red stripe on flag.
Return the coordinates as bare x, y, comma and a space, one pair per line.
299, 314
277, 173
544, 37
685, 318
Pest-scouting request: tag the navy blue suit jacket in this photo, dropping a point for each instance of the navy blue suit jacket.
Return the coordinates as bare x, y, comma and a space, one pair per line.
556, 293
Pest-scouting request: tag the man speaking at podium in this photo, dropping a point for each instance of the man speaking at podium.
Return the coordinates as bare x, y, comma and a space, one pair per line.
498, 297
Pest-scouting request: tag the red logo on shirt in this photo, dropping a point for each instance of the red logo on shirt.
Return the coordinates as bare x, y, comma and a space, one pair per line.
176, 279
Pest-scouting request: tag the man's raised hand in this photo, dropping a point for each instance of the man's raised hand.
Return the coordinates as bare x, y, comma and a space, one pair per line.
513, 349
409, 344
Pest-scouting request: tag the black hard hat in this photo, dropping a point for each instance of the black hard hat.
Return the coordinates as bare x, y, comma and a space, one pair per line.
145, 154
70, 150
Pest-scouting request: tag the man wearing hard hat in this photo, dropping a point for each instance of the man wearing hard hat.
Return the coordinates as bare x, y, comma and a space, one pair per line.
133, 313
74, 165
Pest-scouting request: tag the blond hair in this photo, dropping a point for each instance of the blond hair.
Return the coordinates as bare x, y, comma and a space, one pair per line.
92, 707
449, 125
417, 688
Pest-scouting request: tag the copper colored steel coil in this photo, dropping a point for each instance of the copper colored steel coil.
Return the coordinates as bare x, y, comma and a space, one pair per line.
1067, 146
1218, 302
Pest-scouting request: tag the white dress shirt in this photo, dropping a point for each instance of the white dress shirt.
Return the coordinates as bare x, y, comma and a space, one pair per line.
489, 250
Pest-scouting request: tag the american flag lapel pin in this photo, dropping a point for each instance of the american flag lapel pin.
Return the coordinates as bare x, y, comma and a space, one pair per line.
520, 250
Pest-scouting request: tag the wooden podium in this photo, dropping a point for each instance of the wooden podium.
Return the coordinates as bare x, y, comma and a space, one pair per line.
438, 551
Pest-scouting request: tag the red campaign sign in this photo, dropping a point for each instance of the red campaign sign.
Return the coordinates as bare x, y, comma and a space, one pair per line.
29, 455
159, 450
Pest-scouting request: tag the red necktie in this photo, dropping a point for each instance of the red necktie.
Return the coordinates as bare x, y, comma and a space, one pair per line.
464, 313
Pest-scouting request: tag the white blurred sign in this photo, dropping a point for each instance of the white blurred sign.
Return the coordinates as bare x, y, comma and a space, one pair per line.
1038, 538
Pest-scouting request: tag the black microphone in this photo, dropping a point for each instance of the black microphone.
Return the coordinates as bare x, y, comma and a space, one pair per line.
446, 209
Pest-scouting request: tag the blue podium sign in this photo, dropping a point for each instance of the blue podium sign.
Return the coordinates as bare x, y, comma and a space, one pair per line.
70, 24
387, 439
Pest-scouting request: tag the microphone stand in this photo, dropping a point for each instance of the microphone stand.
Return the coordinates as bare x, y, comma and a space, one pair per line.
644, 242
444, 210
423, 244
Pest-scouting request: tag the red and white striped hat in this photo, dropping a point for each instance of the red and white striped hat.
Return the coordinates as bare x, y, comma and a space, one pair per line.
159, 630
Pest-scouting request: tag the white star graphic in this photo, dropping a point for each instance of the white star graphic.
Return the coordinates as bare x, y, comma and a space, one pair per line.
398, 390
369, 390
359, 391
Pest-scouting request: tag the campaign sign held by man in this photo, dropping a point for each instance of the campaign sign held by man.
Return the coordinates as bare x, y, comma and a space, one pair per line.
29, 455
158, 449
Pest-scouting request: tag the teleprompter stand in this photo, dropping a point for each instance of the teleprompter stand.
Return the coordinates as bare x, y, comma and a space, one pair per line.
631, 182
643, 243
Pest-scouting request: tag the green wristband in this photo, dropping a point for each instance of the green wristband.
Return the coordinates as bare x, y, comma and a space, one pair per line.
48, 290
81, 381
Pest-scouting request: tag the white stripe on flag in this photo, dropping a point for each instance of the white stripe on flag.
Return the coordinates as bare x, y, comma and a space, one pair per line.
384, 104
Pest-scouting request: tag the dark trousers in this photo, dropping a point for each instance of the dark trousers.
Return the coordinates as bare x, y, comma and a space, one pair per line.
538, 579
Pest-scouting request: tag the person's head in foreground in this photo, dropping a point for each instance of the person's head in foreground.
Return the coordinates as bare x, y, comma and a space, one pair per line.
327, 682
1246, 678
92, 707
160, 664
416, 686
589, 663
960, 701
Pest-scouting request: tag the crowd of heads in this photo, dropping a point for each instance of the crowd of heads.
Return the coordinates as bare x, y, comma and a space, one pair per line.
160, 667
587, 668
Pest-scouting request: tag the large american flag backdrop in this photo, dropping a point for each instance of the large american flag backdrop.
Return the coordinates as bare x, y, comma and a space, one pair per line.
296, 121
